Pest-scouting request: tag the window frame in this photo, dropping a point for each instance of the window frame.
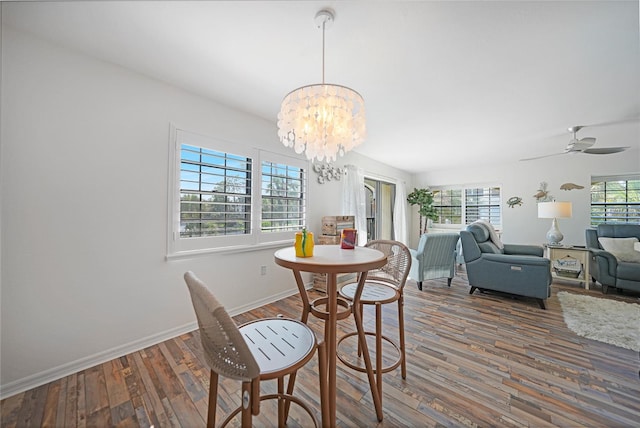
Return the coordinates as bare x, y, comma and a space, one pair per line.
611, 179
178, 246
463, 203
265, 156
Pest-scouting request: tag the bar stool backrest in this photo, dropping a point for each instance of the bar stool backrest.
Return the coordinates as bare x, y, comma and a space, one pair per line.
396, 270
225, 350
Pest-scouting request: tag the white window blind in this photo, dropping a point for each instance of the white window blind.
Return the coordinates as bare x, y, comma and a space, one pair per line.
483, 203
215, 193
283, 197
227, 196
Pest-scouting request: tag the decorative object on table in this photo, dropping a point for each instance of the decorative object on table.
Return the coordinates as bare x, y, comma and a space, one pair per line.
608, 270
348, 239
605, 320
513, 201
543, 195
304, 122
554, 210
332, 227
571, 186
304, 243
327, 172
423, 198
567, 267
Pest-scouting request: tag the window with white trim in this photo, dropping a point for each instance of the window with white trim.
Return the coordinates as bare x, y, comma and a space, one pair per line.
283, 197
225, 195
464, 205
448, 205
215, 193
482, 203
615, 199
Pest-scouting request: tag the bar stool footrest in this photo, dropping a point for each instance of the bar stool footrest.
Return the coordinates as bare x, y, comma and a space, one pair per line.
323, 314
286, 397
363, 369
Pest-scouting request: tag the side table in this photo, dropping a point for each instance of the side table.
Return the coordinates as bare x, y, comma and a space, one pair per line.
580, 253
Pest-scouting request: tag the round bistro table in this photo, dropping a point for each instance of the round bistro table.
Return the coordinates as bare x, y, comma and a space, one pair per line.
332, 260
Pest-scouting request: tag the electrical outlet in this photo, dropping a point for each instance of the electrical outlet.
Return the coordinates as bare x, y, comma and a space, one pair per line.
263, 270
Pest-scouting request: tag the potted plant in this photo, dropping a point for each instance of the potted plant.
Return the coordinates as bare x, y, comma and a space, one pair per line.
423, 198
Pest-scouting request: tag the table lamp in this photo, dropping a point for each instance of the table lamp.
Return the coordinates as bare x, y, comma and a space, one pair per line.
554, 210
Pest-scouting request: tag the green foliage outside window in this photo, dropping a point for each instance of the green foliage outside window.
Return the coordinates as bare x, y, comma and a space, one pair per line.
615, 201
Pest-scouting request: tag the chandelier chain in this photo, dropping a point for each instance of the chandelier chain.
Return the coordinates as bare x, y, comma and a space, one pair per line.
324, 23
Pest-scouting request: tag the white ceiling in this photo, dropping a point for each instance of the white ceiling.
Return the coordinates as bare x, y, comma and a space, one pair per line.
445, 83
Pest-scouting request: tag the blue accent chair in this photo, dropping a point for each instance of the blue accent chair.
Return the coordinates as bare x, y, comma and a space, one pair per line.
515, 269
604, 267
434, 258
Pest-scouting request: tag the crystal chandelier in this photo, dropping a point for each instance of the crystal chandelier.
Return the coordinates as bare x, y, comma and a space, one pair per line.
322, 120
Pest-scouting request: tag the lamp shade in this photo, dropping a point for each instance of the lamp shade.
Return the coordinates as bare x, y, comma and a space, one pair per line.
554, 210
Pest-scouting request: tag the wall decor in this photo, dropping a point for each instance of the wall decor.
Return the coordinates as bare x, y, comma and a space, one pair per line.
513, 201
571, 186
543, 194
327, 172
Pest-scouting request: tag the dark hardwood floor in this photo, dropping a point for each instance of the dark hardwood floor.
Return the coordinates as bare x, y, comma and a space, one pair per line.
479, 361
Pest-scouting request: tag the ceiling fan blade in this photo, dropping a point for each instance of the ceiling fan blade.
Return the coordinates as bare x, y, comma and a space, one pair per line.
605, 150
587, 141
544, 156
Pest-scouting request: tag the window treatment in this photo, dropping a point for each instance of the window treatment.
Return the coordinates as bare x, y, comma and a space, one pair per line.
400, 214
353, 200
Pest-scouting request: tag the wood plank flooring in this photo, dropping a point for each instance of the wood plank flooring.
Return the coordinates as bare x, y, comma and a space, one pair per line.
475, 361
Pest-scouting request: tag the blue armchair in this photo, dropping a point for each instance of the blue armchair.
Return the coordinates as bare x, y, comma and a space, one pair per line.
515, 269
605, 267
434, 258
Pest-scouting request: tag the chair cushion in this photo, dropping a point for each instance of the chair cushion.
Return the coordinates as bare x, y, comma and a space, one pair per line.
489, 247
480, 234
278, 343
371, 293
621, 248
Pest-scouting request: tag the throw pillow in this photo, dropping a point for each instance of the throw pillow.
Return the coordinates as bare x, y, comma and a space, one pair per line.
621, 248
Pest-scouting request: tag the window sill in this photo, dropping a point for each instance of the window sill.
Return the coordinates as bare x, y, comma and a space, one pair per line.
228, 250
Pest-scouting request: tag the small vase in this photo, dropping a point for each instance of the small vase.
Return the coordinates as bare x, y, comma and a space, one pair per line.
304, 244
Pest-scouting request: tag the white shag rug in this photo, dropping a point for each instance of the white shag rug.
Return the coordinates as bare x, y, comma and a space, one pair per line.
604, 320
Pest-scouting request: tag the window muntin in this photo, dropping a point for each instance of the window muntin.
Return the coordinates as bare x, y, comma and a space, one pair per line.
615, 199
448, 205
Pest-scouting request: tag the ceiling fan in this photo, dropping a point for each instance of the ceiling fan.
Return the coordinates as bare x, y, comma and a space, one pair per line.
582, 145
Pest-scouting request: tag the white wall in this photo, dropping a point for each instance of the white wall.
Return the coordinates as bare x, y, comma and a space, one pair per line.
521, 223
84, 174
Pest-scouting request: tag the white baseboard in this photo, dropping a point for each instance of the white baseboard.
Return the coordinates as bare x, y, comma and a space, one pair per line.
55, 373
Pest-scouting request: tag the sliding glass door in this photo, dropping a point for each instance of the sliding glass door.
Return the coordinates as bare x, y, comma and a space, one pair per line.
380, 197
